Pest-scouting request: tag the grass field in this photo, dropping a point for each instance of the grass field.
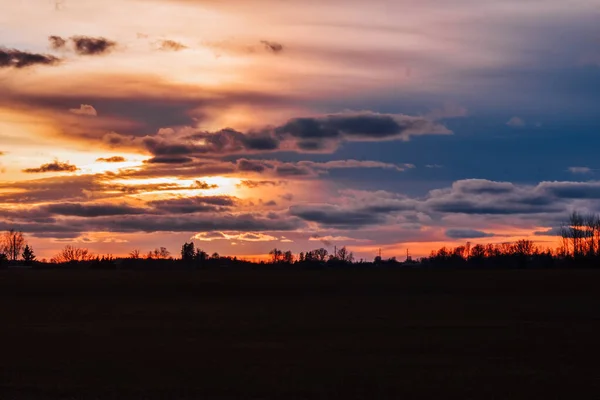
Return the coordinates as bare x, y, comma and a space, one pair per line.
299, 334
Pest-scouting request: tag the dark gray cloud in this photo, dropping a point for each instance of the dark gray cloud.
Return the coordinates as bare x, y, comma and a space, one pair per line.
11, 58
55, 166
115, 159
315, 133
170, 160
70, 227
467, 234
273, 47
190, 205
477, 196
92, 46
251, 165
323, 134
336, 217
92, 210
571, 190
203, 223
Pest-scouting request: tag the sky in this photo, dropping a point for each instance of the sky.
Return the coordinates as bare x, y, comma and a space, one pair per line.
297, 124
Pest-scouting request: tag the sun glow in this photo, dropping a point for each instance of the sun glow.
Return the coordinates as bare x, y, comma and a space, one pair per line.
168, 186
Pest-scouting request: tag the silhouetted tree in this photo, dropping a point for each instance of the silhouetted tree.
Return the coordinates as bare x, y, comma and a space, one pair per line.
72, 254
344, 255
288, 257
574, 234
276, 255
12, 243
188, 251
201, 255
28, 255
159, 254
135, 255
321, 254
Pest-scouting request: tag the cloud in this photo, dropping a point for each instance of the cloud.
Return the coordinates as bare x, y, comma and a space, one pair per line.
83, 45
344, 164
69, 227
57, 42
11, 58
570, 190
329, 240
93, 210
237, 236
171, 45
169, 160
478, 196
257, 184
90, 46
203, 185
273, 47
516, 122
84, 109
320, 133
189, 205
313, 134
335, 216
55, 166
467, 234
549, 232
115, 159
580, 170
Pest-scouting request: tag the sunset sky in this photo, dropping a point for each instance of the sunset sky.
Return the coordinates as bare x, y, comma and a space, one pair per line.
297, 124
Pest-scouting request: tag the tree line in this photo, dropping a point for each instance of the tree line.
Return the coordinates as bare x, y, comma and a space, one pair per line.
580, 246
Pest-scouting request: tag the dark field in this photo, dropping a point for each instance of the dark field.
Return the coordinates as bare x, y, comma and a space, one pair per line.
299, 334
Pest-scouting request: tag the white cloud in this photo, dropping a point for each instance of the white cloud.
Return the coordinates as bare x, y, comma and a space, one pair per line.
580, 170
85, 109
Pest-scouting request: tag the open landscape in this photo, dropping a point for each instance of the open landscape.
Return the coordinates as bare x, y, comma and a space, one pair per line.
287, 333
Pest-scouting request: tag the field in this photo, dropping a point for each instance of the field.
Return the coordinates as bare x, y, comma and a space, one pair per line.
299, 334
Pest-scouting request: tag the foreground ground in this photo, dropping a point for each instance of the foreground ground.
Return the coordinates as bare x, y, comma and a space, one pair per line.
302, 334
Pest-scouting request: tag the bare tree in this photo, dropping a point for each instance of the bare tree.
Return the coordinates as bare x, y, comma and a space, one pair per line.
288, 257
320, 254
276, 255
12, 244
135, 254
592, 228
344, 255
574, 234
72, 254
524, 248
